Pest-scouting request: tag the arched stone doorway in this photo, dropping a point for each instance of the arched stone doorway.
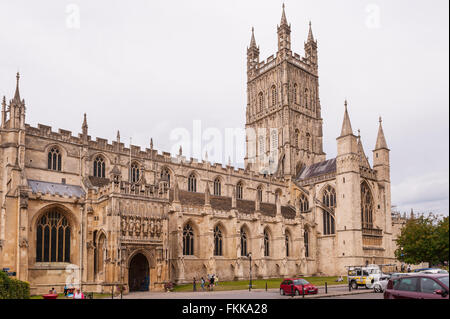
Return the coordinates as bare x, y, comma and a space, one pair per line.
138, 273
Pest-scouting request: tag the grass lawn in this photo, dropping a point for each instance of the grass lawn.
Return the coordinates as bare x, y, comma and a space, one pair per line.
260, 284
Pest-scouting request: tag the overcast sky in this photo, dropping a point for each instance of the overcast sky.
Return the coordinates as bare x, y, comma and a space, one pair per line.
149, 67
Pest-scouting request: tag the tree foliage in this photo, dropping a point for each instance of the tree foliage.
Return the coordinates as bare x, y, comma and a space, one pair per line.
424, 239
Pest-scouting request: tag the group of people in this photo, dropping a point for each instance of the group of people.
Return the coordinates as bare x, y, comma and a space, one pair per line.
69, 292
212, 281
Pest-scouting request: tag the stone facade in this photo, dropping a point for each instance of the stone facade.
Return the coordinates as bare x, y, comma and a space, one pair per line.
82, 210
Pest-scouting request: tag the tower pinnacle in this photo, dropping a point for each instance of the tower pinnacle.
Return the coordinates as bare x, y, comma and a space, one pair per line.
346, 125
17, 93
283, 18
381, 140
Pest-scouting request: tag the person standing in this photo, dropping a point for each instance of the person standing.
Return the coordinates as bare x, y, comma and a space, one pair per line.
211, 283
202, 283
194, 284
78, 294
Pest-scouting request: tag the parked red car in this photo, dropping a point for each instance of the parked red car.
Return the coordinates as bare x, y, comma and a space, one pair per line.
293, 286
418, 286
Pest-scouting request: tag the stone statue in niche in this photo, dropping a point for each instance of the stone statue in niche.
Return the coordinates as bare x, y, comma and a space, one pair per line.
124, 225
130, 226
145, 226
137, 226
152, 228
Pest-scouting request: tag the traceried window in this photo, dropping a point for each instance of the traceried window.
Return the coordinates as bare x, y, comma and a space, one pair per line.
306, 241
218, 241
286, 241
53, 238
274, 95
134, 173
261, 145
217, 187
366, 206
54, 159
266, 243
295, 92
260, 193
192, 183
261, 101
306, 97
165, 176
308, 142
239, 190
99, 167
244, 239
329, 201
304, 204
188, 240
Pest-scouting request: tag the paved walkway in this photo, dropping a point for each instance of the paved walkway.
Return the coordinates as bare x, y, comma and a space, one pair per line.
333, 291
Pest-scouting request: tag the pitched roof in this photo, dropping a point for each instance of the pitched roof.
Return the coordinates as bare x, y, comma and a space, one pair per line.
317, 169
55, 188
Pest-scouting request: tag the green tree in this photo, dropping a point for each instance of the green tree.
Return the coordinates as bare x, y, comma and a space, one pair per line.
424, 239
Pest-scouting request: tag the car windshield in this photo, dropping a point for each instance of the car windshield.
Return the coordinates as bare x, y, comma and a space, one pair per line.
300, 282
444, 280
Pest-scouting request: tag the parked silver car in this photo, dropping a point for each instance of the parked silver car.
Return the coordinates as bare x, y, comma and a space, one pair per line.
381, 284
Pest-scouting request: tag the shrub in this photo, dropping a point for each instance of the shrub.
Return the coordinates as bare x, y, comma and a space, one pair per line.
11, 288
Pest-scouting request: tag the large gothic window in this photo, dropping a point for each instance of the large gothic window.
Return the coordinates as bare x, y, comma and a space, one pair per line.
192, 183
188, 240
134, 173
165, 176
329, 201
218, 241
366, 207
244, 242
306, 241
217, 187
53, 238
274, 95
239, 190
266, 243
260, 101
54, 159
99, 167
304, 204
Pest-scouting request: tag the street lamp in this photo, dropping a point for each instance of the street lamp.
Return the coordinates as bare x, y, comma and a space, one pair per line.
250, 284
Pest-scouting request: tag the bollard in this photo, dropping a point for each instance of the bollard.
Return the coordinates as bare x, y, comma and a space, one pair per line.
326, 287
112, 292
266, 285
349, 287
303, 291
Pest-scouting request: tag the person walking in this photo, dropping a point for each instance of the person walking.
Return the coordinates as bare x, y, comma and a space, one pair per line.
211, 283
194, 284
202, 283
216, 280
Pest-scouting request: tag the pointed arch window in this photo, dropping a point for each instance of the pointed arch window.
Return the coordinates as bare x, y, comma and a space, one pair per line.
286, 241
329, 201
306, 97
244, 239
274, 95
217, 187
266, 243
192, 183
165, 175
239, 190
308, 142
99, 167
306, 241
261, 101
53, 238
304, 204
188, 240
54, 159
296, 137
295, 92
260, 193
366, 207
218, 241
134, 173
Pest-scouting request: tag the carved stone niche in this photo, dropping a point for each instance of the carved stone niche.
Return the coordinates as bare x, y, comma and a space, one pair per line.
23, 243
23, 200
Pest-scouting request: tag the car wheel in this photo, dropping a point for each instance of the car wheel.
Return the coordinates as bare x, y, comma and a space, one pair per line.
377, 289
282, 292
354, 285
297, 293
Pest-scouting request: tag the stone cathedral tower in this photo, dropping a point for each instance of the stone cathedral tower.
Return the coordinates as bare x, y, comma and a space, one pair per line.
283, 118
